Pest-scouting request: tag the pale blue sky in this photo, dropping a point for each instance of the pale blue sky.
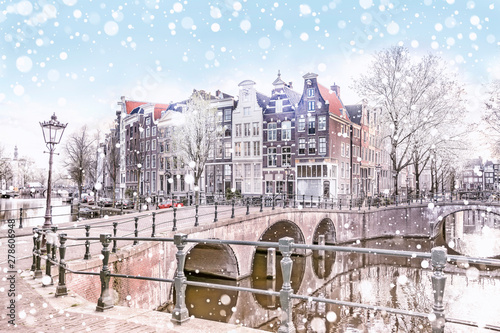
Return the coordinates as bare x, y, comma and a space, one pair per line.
78, 57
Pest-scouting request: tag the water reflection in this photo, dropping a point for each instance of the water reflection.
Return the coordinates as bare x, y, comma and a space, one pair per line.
473, 233
403, 283
33, 211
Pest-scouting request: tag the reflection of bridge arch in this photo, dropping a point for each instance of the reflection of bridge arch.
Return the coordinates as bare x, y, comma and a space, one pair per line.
217, 260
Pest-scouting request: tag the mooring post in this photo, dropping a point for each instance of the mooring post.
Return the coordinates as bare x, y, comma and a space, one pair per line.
21, 218
340, 203
438, 259
196, 223
115, 230
87, 255
48, 264
105, 301
38, 268
61, 289
303, 200
35, 236
271, 263
174, 227
180, 313
215, 211
232, 207
136, 231
153, 226
248, 206
261, 203
285, 246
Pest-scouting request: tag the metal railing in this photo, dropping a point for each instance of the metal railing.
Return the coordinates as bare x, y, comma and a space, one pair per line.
286, 246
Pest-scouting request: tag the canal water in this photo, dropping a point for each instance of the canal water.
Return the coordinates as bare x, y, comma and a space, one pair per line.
471, 293
33, 211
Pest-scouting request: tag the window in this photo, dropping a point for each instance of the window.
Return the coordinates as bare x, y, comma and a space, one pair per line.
271, 157
153, 144
311, 125
238, 130
322, 123
342, 149
346, 150
219, 116
256, 179
227, 170
227, 115
286, 130
311, 105
248, 177
322, 146
271, 132
218, 149
256, 129
312, 146
148, 132
153, 181
148, 121
247, 129
227, 132
310, 92
286, 156
279, 105
256, 148
342, 170
153, 161
237, 149
227, 150
302, 125
246, 111
147, 176
302, 146
148, 144
153, 131
247, 150
269, 187
141, 145
147, 162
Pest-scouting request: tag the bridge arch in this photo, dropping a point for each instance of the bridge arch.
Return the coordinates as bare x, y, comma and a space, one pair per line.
217, 260
325, 227
283, 228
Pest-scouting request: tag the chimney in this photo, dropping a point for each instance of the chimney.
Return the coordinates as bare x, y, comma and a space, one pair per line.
218, 93
336, 89
290, 85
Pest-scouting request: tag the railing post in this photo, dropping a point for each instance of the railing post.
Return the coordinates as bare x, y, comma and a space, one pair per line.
319, 201
78, 213
136, 231
248, 206
87, 255
196, 223
61, 289
105, 301
273, 201
438, 259
232, 207
100, 210
21, 218
340, 203
174, 227
303, 200
215, 211
180, 313
115, 230
285, 246
311, 201
38, 267
261, 203
271, 263
48, 264
35, 236
153, 226
121, 208
350, 204
294, 201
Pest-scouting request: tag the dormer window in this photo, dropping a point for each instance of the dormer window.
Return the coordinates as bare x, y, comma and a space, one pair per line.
308, 82
279, 105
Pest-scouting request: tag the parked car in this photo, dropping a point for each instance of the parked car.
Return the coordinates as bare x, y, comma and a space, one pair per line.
170, 204
106, 202
90, 200
125, 203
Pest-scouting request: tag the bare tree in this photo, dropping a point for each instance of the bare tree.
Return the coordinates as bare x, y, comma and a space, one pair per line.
196, 135
492, 116
415, 95
79, 151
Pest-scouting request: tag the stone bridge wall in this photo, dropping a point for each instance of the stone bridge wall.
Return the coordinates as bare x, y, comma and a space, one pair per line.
158, 259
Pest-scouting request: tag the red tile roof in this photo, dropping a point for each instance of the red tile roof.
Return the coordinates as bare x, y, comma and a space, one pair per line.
130, 105
335, 102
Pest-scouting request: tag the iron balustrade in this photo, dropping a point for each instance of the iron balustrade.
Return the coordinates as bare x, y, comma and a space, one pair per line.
286, 245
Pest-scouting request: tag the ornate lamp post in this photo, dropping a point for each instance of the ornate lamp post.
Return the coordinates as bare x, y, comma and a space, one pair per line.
52, 134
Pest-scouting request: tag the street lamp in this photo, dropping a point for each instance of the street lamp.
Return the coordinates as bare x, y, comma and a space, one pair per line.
52, 134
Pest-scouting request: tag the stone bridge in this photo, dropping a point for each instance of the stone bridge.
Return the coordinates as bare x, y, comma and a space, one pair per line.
157, 259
